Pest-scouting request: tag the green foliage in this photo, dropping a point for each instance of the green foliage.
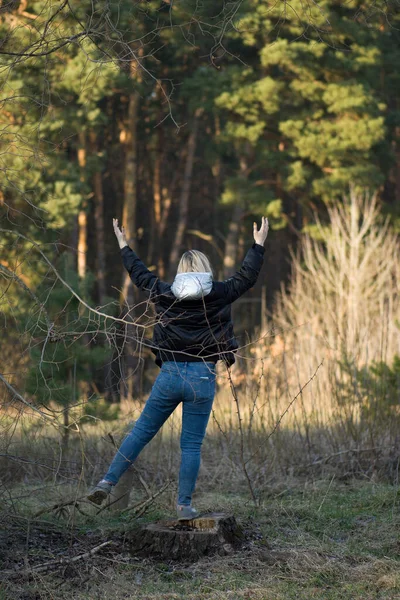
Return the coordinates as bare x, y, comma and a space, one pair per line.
375, 389
299, 101
61, 204
88, 83
380, 389
99, 409
59, 364
239, 190
318, 111
315, 103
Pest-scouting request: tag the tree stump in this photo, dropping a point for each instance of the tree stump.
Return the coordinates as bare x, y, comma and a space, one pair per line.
214, 533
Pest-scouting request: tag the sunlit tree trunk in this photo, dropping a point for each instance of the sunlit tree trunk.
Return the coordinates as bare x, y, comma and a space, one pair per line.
155, 244
98, 197
157, 184
397, 166
80, 240
167, 194
82, 215
232, 240
184, 198
231, 243
99, 223
65, 429
128, 138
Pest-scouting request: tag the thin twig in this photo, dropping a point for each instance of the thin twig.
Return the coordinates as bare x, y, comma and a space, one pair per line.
58, 506
59, 563
327, 492
242, 461
278, 422
17, 395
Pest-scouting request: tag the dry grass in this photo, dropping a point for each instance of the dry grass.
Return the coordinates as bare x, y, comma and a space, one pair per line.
305, 540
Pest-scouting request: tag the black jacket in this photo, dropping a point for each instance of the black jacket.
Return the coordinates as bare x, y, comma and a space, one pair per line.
193, 330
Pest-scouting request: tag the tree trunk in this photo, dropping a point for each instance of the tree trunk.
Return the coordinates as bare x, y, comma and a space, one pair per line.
129, 138
155, 213
82, 215
82, 243
231, 243
157, 178
167, 194
99, 223
396, 170
107, 383
131, 363
214, 533
184, 199
65, 430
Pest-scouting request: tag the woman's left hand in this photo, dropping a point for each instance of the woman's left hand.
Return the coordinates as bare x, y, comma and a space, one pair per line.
120, 234
261, 235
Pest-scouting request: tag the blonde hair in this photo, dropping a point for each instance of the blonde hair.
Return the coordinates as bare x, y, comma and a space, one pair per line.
194, 261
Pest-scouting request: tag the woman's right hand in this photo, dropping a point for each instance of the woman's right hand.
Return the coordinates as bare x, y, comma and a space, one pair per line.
120, 234
261, 235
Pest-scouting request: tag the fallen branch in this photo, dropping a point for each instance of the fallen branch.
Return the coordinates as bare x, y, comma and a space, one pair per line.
54, 507
58, 563
326, 459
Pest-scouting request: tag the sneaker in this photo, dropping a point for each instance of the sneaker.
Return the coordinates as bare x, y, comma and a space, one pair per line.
186, 513
100, 492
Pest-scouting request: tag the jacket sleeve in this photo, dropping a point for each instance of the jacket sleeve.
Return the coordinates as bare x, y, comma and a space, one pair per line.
246, 276
140, 275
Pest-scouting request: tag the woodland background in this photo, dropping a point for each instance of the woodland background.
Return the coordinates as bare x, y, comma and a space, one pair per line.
187, 121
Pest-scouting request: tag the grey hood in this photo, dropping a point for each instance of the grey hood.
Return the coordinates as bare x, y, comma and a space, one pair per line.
192, 286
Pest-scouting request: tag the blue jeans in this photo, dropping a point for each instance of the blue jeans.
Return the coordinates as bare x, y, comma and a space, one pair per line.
192, 383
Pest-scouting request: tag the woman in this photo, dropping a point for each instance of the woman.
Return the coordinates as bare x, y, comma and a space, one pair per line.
193, 331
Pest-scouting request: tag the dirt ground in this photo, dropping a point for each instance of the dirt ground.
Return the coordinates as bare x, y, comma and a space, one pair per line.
307, 540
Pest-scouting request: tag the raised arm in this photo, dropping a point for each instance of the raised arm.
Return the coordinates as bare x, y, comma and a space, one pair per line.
246, 276
140, 275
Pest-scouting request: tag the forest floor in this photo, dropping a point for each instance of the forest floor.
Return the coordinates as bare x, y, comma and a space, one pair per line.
323, 539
